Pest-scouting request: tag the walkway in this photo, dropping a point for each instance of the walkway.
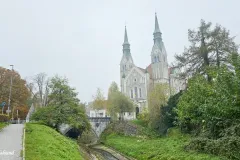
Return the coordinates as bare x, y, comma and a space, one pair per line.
11, 142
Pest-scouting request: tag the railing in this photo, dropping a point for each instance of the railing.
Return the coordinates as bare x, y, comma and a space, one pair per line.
99, 119
17, 121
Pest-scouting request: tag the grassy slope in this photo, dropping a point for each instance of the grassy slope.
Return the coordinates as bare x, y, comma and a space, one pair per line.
44, 143
2, 125
166, 148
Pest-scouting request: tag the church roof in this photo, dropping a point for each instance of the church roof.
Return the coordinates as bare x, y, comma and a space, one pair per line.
143, 70
149, 70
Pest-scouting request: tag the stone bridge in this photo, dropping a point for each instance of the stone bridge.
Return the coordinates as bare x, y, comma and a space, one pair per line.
98, 124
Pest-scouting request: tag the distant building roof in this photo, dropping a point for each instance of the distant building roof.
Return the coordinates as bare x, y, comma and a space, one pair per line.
149, 70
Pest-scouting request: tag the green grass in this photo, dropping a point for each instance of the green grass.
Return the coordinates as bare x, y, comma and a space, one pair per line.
165, 148
2, 125
139, 122
44, 143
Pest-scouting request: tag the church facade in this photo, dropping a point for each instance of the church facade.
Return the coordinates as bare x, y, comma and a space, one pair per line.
135, 81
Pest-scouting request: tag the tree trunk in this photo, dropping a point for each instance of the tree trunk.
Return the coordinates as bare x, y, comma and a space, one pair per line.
205, 56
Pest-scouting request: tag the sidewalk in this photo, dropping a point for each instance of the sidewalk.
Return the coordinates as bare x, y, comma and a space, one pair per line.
11, 142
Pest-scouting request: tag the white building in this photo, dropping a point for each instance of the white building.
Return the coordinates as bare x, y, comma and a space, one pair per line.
135, 81
98, 113
91, 112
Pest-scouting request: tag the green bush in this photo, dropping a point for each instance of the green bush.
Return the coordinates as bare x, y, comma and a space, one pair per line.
54, 116
4, 118
87, 137
144, 117
228, 147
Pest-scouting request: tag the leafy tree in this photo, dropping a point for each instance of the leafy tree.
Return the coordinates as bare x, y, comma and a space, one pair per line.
118, 103
22, 112
169, 114
20, 92
209, 47
63, 108
157, 98
204, 102
113, 88
212, 110
99, 101
61, 93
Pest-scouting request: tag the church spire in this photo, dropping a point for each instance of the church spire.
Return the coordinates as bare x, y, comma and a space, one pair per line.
126, 45
125, 36
157, 33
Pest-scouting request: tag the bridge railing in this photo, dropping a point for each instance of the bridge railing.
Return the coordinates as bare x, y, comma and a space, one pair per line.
99, 119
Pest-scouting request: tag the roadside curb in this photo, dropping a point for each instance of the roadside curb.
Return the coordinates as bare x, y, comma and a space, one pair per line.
23, 150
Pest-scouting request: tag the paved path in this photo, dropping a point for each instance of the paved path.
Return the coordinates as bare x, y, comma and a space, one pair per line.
11, 142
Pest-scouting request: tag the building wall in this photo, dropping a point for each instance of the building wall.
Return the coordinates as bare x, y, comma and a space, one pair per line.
136, 86
98, 113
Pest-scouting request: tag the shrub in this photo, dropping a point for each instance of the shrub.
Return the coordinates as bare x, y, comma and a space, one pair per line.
228, 147
4, 118
54, 116
87, 137
144, 116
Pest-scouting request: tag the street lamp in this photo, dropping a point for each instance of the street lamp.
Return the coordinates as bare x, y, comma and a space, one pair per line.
10, 92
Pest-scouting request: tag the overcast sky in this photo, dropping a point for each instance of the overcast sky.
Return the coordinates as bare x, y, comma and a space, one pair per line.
82, 40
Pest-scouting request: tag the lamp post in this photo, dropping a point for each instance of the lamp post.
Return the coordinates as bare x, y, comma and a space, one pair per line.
10, 92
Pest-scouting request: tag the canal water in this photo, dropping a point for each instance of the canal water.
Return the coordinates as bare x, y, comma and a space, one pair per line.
104, 154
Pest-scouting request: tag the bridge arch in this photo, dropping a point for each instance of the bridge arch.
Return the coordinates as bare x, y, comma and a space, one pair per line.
98, 125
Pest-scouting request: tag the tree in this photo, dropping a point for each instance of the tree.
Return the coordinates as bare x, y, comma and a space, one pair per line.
63, 107
117, 102
204, 103
222, 45
20, 112
113, 88
61, 93
99, 101
39, 89
169, 114
209, 47
40, 80
20, 92
110, 107
157, 98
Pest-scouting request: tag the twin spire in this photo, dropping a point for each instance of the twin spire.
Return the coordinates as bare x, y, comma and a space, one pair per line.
125, 36
157, 36
156, 30
126, 45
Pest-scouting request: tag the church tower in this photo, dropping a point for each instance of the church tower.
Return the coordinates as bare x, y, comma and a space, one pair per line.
127, 61
159, 56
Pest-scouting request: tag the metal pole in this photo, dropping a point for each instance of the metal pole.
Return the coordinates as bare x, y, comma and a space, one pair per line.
10, 92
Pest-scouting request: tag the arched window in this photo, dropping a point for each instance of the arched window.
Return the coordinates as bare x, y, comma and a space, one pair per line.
140, 92
155, 59
136, 92
158, 59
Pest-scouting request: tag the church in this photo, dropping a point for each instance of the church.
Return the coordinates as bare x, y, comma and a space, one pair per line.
135, 81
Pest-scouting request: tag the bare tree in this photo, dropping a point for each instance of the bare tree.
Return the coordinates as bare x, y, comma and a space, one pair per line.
39, 80
38, 86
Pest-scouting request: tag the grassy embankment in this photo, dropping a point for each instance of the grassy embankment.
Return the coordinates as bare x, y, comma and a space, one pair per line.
2, 125
44, 143
170, 147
